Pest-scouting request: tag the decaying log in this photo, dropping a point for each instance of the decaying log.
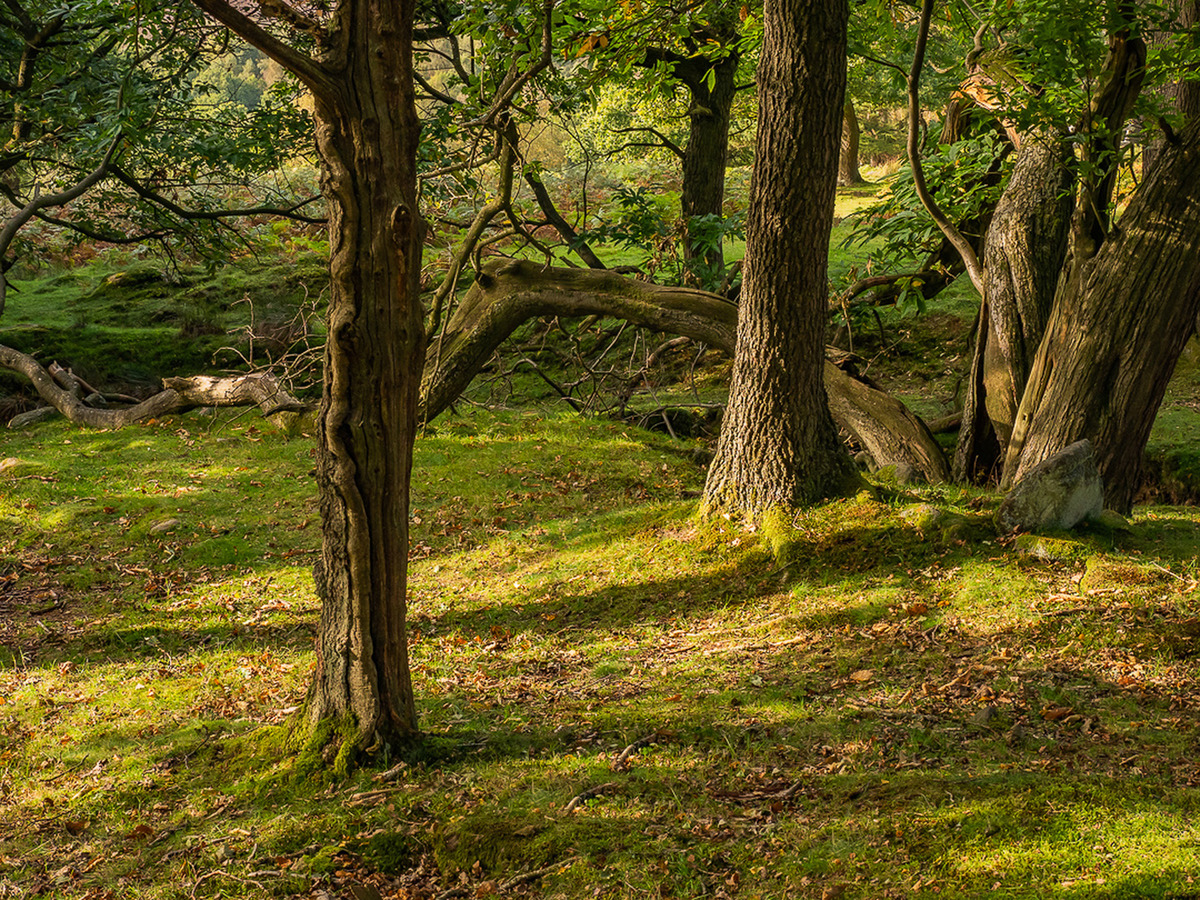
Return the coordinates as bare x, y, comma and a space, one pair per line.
178, 395
511, 292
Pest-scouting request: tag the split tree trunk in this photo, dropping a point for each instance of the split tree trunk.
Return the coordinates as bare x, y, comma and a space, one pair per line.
1024, 250
1113, 340
778, 445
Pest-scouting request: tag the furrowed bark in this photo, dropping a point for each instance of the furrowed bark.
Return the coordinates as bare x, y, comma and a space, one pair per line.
778, 446
1111, 346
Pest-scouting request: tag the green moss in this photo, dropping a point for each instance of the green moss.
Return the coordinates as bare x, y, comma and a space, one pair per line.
1103, 573
389, 851
301, 751
324, 861
1051, 549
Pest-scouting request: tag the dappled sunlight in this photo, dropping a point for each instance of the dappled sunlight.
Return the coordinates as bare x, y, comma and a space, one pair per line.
609, 687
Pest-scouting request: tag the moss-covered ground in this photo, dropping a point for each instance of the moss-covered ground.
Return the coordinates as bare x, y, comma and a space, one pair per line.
616, 699
887, 712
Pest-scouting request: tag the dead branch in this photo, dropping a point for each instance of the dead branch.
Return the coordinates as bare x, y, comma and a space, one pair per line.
510, 292
178, 395
591, 792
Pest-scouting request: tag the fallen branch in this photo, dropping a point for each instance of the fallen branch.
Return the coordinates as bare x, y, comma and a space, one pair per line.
178, 395
511, 292
622, 761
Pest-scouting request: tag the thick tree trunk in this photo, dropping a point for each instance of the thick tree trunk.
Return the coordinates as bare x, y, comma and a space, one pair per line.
367, 136
1023, 256
848, 173
1117, 330
510, 293
778, 445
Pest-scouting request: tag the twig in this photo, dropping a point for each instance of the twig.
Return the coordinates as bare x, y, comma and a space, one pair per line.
622, 761
588, 795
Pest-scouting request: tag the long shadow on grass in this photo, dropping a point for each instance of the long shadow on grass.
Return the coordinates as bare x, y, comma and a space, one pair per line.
558, 607
953, 757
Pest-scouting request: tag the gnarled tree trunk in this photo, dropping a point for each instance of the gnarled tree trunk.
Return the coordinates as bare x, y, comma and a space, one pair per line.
1113, 340
367, 138
1023, 256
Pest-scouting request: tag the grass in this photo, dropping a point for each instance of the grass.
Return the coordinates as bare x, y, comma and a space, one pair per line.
617, 700
888, 714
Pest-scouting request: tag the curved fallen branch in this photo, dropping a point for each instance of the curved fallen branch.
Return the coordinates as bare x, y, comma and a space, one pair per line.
511, 292
505, 295
178, 395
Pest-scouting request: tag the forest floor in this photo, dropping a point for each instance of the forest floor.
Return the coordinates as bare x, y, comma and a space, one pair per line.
617, 700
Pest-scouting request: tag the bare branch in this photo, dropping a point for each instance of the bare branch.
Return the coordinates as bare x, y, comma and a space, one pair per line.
314, 75
948, 228
17, 222
663, 140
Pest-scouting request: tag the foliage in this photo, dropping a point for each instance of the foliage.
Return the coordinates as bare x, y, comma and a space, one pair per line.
88, 74
965, 178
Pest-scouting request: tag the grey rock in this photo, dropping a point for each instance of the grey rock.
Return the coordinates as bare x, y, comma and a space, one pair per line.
165, 526
1055, 495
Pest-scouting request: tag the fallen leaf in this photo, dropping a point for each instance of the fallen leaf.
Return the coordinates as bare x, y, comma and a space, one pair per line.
862, 676
76, 827
1055, 713
140, 833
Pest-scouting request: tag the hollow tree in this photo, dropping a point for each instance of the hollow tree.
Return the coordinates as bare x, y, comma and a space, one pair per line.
778, 445
367, 139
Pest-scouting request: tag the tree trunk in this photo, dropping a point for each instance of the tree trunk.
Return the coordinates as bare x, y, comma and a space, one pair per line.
367, 136
509, 293
1023, 256
1117, 330
778, 445
848, 173
707, 151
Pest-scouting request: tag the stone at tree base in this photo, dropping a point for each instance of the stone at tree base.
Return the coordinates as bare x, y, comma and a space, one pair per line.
1055, 495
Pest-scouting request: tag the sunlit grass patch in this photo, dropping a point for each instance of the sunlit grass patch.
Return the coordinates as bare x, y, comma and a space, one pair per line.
613, 694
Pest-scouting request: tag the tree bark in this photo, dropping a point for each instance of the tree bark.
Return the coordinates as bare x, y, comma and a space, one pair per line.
1023, 256
848, 173
512, 292
367, 136
778, 445
1114, 337
712, 86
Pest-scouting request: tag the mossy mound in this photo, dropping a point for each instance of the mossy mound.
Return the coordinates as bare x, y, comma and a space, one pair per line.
1105, 574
